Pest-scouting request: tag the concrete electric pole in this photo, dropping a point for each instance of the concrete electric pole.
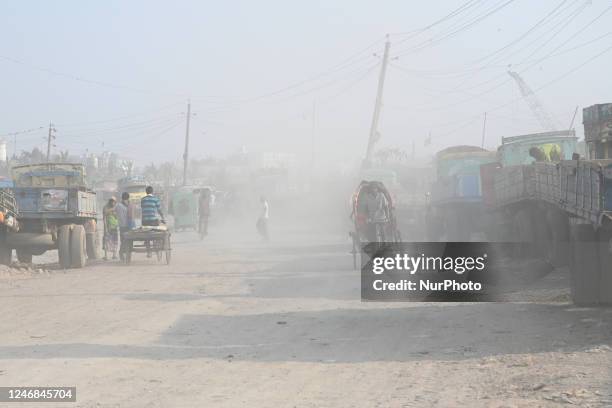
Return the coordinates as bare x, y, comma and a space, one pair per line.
186, 153
50, 139
484, 130
378, 105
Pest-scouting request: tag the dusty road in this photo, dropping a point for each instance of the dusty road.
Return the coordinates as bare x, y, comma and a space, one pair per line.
239, 323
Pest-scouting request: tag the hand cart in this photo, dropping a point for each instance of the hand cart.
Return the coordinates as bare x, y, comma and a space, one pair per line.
148, 240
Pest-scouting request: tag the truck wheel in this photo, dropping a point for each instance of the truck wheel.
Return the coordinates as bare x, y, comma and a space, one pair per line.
63, 246
24, 256
6, 254
525, 232
91, 243
77, 247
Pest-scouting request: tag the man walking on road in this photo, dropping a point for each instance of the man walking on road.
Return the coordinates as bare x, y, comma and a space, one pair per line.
152, 215
203, 211
262, 221
125, 214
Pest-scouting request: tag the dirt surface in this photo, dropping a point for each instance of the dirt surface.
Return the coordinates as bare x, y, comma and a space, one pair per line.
236, 322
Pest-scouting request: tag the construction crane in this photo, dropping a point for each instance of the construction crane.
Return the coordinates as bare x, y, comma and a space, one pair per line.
546, 120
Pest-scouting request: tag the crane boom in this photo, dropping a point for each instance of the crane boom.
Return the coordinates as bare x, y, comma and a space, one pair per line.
546, 120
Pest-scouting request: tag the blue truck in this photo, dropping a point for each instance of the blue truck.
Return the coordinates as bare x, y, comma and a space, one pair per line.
456, 203
56, 210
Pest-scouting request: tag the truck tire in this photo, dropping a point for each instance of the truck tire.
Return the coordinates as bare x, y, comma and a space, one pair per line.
6, 254
77, 247
63, 246
525, 232
24, 256
605, 260
91, 244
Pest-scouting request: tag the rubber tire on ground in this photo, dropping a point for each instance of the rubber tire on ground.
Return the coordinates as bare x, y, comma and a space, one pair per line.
63, 246
91, 244
77, 247
24, 256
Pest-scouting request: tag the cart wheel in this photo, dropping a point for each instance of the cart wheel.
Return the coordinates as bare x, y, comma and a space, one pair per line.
168, 256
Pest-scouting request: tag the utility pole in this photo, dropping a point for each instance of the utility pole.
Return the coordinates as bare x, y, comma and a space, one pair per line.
377, 107
312, 135
484, 130
186, 153
571, 126
313, 131
50, 137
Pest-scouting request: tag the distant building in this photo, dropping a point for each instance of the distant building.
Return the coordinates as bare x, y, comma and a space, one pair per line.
3, 155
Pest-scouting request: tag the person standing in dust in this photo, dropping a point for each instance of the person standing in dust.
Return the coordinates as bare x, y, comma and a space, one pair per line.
377, 210
111, 228
203, 211
262, 221
125, 215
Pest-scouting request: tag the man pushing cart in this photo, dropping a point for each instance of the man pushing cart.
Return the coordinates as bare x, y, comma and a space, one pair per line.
153, 235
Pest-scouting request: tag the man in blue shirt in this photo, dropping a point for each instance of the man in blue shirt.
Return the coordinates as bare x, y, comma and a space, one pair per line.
151, 209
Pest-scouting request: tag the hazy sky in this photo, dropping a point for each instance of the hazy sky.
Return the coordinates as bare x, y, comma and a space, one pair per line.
120, 72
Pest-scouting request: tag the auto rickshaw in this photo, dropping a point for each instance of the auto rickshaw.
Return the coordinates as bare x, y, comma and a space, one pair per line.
372, 224
184, 208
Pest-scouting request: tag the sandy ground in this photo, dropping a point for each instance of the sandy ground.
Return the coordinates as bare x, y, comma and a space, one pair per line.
236, 322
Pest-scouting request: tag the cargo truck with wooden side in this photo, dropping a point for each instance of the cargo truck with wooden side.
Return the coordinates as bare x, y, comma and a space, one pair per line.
56, 210
558, 205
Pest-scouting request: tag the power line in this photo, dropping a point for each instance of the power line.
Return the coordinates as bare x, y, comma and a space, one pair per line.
493, 88
22, 132
533, 28
121, 128
320, 86
119, 118
470, 71
444, 36
547, 84
562, 25
411, 34
86, 80
352, 84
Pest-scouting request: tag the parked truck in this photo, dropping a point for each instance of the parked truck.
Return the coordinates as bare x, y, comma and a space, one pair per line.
560, 209
56, 210
8, 222
597, 121
513, 187
456, 202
